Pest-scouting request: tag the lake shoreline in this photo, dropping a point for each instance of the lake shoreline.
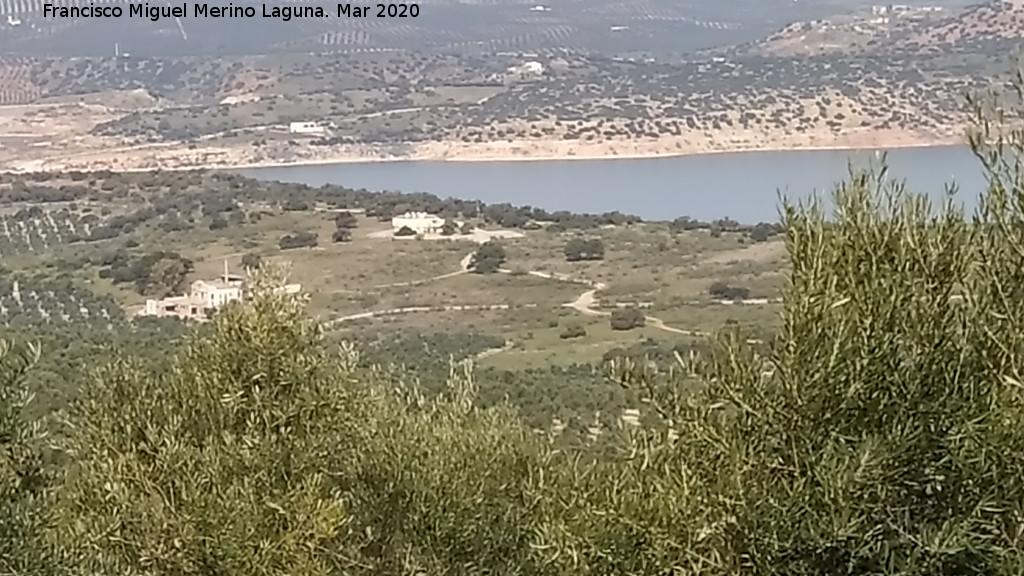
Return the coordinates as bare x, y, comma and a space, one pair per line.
440, 152
746, 187
574, 158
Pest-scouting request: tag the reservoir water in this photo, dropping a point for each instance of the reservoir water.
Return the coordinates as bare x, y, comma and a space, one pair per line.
743, 186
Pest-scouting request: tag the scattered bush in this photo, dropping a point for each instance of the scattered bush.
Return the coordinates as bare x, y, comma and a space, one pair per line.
627, 318
574, 330
298, 240
252, 261
579, 249
723, 291
345, 220
488, 258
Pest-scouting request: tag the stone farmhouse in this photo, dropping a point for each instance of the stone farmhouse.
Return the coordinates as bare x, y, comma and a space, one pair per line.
204, 296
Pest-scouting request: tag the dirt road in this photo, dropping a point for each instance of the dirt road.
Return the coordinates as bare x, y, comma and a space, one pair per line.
586, 303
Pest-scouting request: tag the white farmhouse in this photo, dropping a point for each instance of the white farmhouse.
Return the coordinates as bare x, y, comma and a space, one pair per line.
418, 222
204, 296
240, 99
215, 294
533, 68
306, 128
527, 69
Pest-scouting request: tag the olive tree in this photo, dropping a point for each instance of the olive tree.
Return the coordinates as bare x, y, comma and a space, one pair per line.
24, 481
262, 452
881, 432
221, 463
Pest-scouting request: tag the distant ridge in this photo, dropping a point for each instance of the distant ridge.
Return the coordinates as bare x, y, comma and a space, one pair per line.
1001, 19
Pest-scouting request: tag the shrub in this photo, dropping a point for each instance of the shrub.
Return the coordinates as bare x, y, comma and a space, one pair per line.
252, 261
627, 319
726, 292
345, 219
488, 258
259, 391
573, 330
24, 480
581, 249
298, 240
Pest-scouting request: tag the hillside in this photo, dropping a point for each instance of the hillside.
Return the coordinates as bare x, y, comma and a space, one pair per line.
974, 28
892, 77
441, 25
237, 111
990, 28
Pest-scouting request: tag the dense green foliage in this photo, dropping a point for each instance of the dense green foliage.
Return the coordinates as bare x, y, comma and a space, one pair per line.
157, 274
726, 292
74, 207
22, 475
38, 300
579, 249
298, 240
488, 258
627, 319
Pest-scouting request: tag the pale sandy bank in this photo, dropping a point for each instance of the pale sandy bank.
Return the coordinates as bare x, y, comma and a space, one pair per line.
172, 156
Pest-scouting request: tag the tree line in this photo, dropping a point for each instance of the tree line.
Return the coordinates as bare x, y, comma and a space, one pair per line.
177, 201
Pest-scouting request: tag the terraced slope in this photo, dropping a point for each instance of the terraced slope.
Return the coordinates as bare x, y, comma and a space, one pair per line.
16, 84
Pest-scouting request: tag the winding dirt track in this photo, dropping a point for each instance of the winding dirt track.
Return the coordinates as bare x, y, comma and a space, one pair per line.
586, 303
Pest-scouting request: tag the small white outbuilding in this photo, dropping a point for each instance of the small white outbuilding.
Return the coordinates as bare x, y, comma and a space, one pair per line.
418, 222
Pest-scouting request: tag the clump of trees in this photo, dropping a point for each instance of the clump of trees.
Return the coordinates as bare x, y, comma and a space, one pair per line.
664, 354
344, 223
20, 191
156, 274
627, 318
298, 240
488, 258
579, 249
345, 219
726, 292
762, 232
252, 261
573, 330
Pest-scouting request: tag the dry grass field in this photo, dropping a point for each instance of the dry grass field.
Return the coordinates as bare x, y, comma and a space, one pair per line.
668, 274
546, 308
